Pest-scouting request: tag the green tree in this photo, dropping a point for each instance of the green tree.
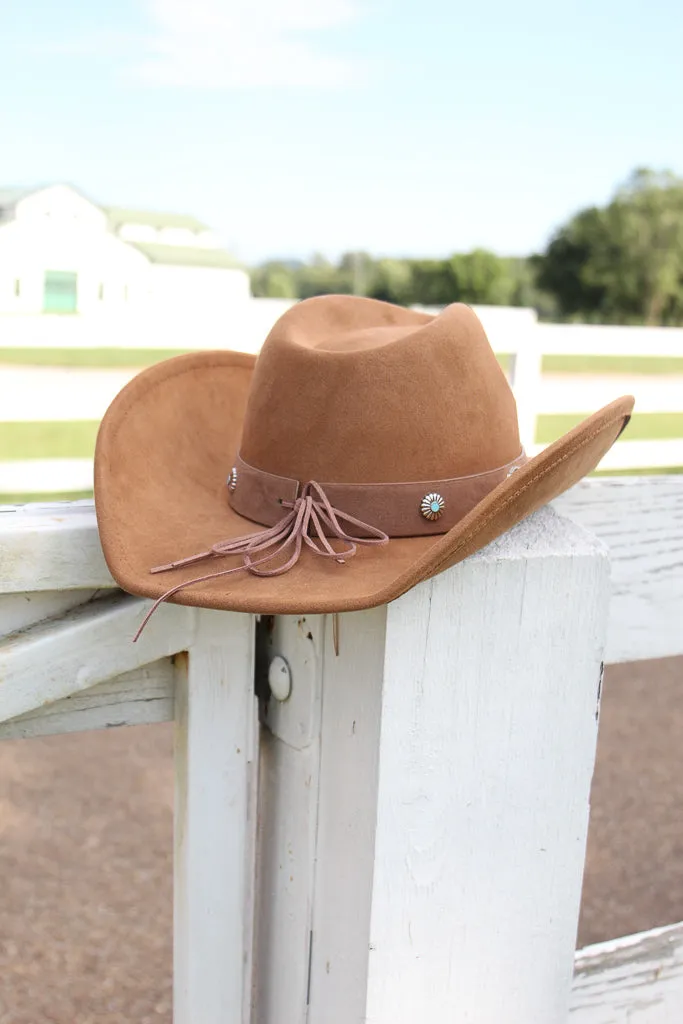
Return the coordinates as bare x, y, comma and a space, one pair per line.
646, 220
624, 262
274, 280
525, 289
433, 283
320, 277
476, 277
482, 277
357, 272
393, 282
564, 269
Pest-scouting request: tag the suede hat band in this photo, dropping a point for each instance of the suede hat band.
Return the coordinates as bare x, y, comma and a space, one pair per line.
403, 509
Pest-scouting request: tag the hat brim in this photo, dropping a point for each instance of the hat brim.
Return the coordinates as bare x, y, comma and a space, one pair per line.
164, 450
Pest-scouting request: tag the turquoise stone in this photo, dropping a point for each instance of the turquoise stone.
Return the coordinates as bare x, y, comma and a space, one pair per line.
435, 506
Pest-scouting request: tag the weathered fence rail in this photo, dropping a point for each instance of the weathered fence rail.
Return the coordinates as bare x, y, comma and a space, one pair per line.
638, 978
422, 796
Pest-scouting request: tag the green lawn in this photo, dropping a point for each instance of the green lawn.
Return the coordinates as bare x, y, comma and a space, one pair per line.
48, 440
87, 358
651, 426
653, 471
108, 358
77, 439
613, 364
51, 440
22, 499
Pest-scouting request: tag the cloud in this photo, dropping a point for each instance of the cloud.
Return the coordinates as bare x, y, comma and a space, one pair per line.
223, 44
102, 43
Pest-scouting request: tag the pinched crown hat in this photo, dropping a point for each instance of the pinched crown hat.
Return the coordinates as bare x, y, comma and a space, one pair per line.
362, 429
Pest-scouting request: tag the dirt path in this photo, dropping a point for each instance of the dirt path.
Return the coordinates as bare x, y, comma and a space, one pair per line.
85, 854
634, 871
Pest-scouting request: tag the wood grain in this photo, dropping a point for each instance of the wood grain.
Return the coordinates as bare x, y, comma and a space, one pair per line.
51, 546
638, 979
86, 646
215, 759
140, 697
490, 687
640, 519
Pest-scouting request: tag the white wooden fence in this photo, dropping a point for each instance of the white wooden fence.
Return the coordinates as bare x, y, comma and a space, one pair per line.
28, 394
585, 395
393, 833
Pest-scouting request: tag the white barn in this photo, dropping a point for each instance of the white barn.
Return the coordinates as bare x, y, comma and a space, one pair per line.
61, 253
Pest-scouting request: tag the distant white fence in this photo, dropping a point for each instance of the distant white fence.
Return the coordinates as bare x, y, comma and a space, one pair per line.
49, 394
655, 394
397, 833
242, 326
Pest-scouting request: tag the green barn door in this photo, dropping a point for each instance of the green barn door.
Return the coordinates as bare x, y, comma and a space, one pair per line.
60, 294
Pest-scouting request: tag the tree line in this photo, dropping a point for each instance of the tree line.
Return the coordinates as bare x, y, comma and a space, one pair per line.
618, 263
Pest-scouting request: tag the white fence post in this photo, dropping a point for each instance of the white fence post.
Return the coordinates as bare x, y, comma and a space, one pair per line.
491, 685
525, 379
317, 805
437, 831
215, 756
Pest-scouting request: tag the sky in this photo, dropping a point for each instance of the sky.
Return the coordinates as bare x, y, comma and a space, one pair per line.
298, 126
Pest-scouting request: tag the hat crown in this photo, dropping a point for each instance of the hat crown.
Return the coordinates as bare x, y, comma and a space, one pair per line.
355, 390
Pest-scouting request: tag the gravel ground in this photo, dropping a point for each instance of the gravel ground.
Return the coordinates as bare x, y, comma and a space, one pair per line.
85, 854
85, 876
634, 868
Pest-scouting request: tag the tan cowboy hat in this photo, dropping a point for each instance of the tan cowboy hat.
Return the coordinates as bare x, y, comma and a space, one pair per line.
362, 429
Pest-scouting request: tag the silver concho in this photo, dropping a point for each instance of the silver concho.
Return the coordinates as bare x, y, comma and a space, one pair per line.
432, 506
232, 479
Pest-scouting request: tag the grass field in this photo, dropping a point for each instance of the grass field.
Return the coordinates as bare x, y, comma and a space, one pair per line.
22, 499
76, 439
118, 358
648, 365
87, 358
652, 426
48, 440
